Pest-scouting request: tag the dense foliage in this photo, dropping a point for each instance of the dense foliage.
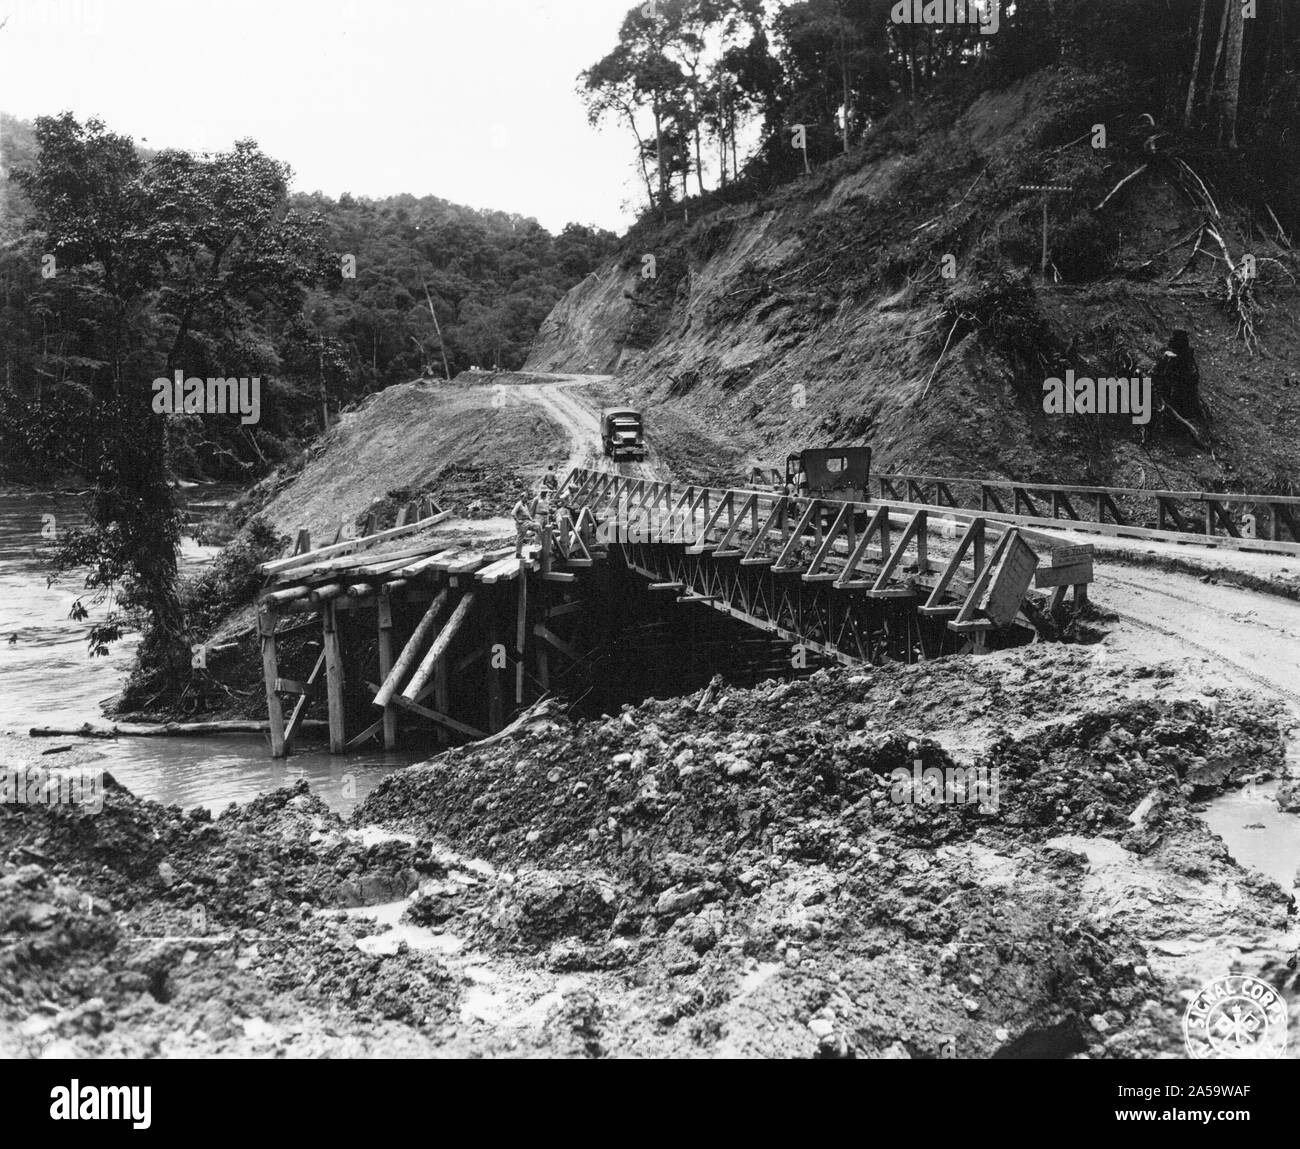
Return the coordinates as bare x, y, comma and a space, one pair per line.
691, 81
120, 266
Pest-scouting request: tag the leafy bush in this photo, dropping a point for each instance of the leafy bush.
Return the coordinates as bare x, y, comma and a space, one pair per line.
232, 581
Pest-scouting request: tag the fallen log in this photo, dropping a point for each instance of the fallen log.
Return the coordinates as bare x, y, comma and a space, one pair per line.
163, 729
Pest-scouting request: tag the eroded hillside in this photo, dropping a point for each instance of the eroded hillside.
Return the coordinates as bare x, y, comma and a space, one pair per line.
821, 313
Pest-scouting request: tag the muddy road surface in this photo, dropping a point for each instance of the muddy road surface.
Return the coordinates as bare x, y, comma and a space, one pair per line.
570, 402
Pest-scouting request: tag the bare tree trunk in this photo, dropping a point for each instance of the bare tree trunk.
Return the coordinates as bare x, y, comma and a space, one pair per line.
699, 160
844, 77
1218, 54
1232, 73
438, 328
722, 134
640, 154
659, 161
1196, 69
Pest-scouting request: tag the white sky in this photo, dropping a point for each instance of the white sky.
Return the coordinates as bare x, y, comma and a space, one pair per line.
470, 100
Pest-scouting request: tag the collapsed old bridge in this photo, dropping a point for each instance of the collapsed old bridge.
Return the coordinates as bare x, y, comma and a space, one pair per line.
461, 636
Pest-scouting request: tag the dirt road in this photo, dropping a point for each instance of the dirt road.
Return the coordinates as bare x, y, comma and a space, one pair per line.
567, 400
1234, 638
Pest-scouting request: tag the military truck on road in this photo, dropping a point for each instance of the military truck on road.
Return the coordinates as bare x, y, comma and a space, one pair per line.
621, 433
829, 473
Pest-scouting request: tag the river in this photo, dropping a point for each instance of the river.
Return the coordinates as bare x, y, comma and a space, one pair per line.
46, 678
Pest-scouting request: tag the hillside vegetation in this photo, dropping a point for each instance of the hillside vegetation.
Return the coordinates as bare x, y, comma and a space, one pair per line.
161, 260
893, 297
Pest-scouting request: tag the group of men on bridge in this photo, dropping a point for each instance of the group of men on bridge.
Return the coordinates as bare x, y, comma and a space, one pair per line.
532, 512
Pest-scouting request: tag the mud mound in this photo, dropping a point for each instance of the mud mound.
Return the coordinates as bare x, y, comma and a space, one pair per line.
278, 852
795, 768
1091, 774
43, 920
541, 906
122, 840
141, 929
756, 872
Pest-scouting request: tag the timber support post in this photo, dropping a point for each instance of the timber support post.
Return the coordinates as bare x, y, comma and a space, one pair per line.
496, 710
333, 678
386, 665
266, 621
441, 697
520, 636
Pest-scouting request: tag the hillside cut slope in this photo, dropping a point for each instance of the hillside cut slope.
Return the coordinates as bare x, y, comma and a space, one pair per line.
823, 313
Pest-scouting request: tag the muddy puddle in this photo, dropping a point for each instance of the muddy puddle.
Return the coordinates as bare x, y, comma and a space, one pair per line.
1256, 832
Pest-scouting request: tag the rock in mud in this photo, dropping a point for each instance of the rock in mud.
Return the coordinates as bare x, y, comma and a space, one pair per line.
1288, 796
541, 906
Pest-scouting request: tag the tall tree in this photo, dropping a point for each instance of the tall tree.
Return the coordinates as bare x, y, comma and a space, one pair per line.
1232, 74
89, 198
611, 86
1196, 68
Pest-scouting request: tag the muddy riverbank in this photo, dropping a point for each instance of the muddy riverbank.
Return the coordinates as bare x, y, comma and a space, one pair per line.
733, 873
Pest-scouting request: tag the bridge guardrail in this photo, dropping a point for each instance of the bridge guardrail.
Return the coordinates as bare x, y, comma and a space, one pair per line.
1272, 523
849, 545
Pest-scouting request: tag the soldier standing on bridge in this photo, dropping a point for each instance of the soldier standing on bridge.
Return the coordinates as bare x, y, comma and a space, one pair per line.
526, 526
549, 481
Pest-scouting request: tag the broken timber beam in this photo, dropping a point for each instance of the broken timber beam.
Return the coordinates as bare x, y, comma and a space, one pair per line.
300, 707
351, 545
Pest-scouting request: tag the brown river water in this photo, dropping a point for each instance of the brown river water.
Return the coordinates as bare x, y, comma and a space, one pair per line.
47, 679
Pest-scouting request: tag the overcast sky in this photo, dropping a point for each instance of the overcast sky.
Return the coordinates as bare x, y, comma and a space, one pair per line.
470, 100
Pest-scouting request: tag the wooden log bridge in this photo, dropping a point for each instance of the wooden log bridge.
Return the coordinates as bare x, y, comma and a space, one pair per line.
419, 628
